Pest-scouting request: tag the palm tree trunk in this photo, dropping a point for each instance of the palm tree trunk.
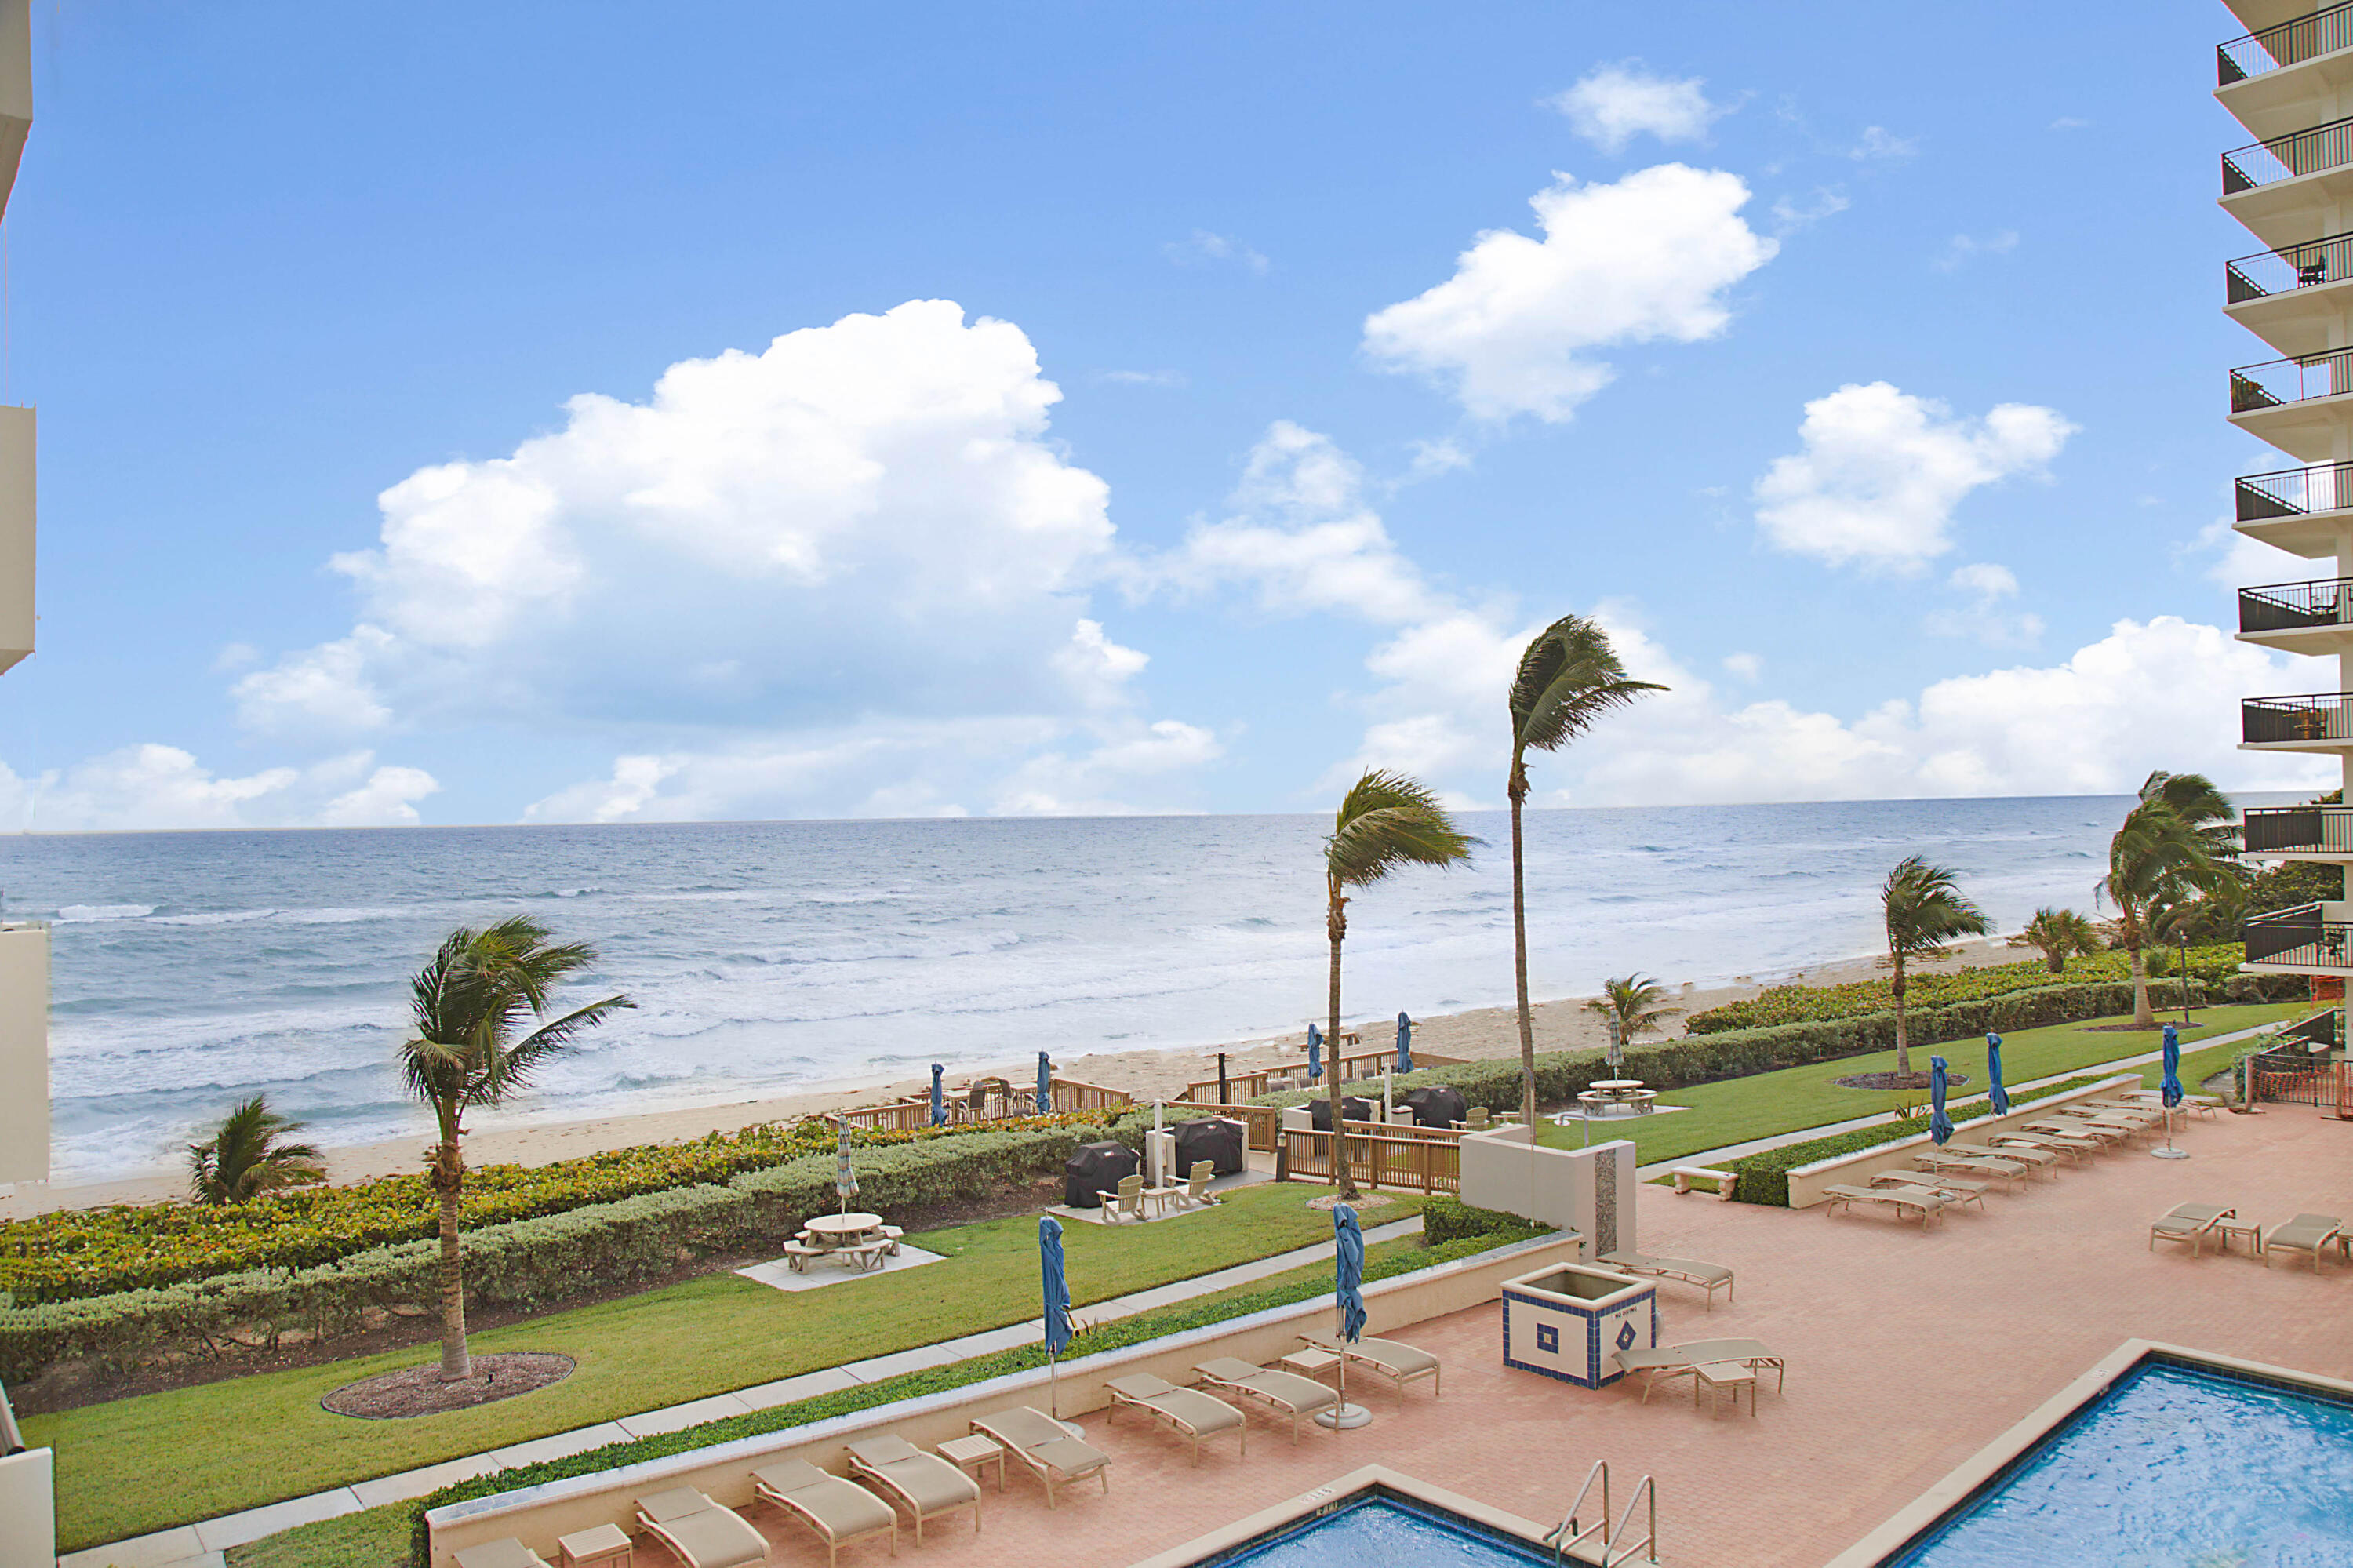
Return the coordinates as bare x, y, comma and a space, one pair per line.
1902, 1041
1336, 924
1518, 791
2142, 1017
449, 1172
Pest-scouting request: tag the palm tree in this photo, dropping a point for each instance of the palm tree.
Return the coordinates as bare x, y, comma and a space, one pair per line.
1634, 1002
468, 1004
1569, 677
2177, 839
1923, 910
243, 1159
2061, 934
1386, 820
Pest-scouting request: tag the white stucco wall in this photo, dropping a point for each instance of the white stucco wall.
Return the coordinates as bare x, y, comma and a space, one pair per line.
28, 1511
1590, 1191
24, 1051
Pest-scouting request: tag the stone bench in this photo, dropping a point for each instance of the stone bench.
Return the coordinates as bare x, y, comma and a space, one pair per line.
1725, 1181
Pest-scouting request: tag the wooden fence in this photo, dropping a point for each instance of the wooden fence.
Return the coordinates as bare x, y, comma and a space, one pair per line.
1365, 1065
1261, 1123
979, 1103
1411, 1160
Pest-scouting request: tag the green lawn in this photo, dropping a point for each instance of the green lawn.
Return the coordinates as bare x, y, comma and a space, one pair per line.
707, 1336
1739, 1109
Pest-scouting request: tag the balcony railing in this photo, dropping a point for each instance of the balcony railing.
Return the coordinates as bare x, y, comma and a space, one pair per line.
2284, 157
2282, 272
2327, 715
2290, 43
2294, 491
2295, 607
2278, 381
2299, 939
2299, 830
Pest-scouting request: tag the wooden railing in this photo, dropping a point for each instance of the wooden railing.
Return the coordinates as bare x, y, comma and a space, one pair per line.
1408, 1158
1261, 1123
1364, 1064
997, 1099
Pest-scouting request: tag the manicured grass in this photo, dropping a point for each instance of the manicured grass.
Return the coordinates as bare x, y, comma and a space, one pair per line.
268, 1438
1795, 1098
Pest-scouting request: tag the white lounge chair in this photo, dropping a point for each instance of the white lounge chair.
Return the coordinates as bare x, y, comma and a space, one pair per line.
1045, 1449
1906, 1202
507, 1554
1186, 1410
699, 1531
2306, 1232
925, 1485
2192, 1223
1283, 1393
1709, 1276
1401, 1363
840, 1511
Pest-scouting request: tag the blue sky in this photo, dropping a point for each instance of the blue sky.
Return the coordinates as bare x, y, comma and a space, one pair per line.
1868, 376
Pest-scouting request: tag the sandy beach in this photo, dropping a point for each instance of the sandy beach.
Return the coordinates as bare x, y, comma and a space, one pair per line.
527, 1139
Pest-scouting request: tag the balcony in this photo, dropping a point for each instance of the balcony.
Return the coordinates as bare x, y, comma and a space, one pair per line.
2314, 832
2288, 296
2289, 74
2288, 402
2304, 510
2284, 187
2322, 721
2298, 617
2290, 43
2310, 939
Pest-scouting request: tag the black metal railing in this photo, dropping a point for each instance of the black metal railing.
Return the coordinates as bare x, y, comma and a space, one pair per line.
2284, 157
2293, 267
2298, 830
2298, 938
2278, 381
2294, 491
2327, 715
2295, 607
2290, 43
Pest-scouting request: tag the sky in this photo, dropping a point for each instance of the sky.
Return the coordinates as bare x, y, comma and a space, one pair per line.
584, 413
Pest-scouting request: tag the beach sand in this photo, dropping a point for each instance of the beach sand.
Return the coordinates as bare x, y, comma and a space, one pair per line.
1563, 1024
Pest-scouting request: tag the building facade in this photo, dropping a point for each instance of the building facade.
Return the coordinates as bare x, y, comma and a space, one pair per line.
24, 944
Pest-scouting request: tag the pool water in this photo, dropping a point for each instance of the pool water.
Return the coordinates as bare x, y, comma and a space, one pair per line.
2176, 1466
1379, 1530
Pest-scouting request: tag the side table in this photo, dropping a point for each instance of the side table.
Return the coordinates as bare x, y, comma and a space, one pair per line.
1312, 1362
605, 1546
2247, 1231
972, 1452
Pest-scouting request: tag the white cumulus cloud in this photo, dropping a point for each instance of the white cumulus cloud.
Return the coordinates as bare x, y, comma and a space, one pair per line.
155, 787
1881, 472
1612, 104
1517, 329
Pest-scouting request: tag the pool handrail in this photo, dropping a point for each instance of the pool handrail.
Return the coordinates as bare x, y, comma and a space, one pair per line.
1566, 1535
1643, 1489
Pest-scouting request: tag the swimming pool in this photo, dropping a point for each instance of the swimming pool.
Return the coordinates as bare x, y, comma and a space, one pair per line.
1381, 1526
2177, 1466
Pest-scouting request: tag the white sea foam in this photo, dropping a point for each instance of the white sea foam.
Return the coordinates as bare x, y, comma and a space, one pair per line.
86, 914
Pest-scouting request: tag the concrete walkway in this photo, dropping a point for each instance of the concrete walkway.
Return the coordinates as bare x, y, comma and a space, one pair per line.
1716, 1156
201, 1545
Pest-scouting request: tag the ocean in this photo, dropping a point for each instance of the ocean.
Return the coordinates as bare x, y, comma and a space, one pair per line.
194, 969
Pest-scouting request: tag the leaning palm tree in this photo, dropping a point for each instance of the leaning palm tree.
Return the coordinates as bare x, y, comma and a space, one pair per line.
244, 1159
2177, 839
1636, 1003
1387, 821
1569, 677
1923, 910
469, 1002
2061, 934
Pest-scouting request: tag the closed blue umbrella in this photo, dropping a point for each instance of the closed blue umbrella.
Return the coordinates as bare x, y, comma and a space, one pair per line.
1314, 1053
1045, 1085
844, 1174
1055, 1286
1348, 1279
2168, 1089
1405, 1044
1940, 1126
939, 1109
1996, 1094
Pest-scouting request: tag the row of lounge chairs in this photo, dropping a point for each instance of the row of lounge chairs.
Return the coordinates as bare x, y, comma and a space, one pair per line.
2310, 1234
1127, 1202
898, 1477
1958, 1174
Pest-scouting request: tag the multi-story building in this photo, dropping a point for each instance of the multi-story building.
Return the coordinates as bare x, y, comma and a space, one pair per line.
2289, 80
24, 944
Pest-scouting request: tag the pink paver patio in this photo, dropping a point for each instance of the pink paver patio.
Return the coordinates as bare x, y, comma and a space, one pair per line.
1907, 1351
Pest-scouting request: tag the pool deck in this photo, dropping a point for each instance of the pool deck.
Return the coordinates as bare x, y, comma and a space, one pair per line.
1907, 1352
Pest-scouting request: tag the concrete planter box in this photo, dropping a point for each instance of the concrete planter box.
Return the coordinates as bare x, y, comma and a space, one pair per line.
1567, 1321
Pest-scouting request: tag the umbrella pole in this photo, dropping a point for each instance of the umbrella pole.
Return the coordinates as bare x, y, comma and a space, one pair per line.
2168, 1151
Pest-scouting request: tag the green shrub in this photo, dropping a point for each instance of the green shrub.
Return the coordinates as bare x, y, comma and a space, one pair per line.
1117, 1334
97, 1251
531, 1263
2213, 967
1445, 1219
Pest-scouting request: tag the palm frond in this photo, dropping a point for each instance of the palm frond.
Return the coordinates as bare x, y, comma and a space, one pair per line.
1387, 821
1569, 677
1924, 909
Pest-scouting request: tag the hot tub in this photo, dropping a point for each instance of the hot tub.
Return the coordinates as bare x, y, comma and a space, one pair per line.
1569, 1321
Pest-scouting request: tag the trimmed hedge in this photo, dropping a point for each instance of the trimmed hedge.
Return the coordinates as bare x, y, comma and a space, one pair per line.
529, 1263
2213, 966
1117, 1334
1446, 1219
1765, 1175
95, 1252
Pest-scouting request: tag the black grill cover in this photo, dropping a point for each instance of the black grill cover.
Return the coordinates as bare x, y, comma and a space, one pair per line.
1351, 1108
1096, 1168
1215, 1139
1436, 1105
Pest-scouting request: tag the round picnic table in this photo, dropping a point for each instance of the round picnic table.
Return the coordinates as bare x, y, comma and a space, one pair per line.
844, 1230
1616, 1087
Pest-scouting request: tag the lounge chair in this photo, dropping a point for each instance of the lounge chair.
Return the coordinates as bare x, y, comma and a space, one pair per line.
1401, 1363
1654, 1364
1127, 1203
2075, 1126
2306, 1232
1707, 1276
699, 1533
1186, 1411
1904, 1201
1475, 1119
1951, 1189
507, 1554
925, 1485
1197, 1184
840, 1511
1682, 1361
2071, 1149
1282, 1393
2192, 1223
2040, 1159
1975, 1164
1044, 1446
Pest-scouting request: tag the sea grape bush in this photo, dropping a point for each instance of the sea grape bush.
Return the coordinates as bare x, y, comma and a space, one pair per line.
2214, 966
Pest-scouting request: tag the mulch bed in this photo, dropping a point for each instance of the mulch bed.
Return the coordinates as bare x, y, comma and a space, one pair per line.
1896, 1081
1362, 1201
419, 1390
